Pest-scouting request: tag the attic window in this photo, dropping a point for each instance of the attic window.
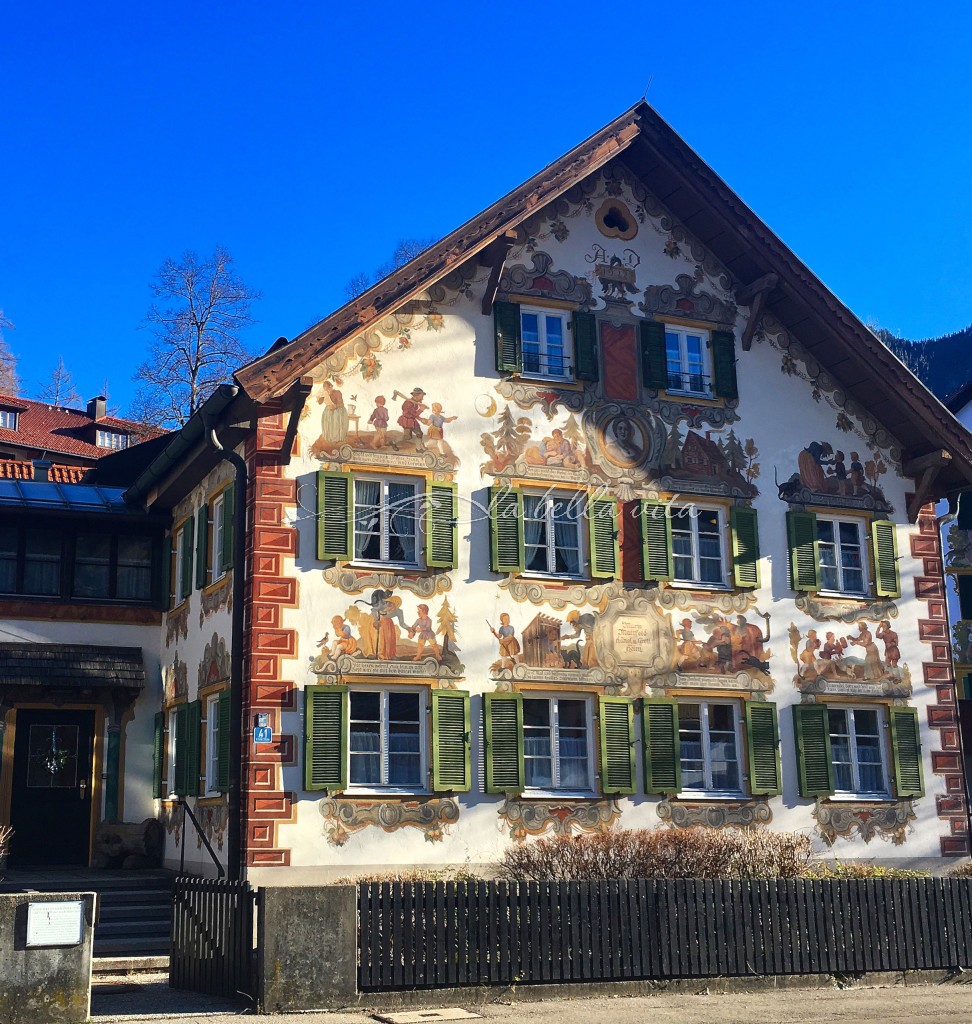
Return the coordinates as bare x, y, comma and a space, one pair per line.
9, 419
614, 220
111, 439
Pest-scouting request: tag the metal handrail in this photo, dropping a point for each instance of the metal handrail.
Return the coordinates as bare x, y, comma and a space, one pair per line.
209, 849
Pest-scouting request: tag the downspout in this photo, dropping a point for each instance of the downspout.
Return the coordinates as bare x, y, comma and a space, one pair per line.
235, 867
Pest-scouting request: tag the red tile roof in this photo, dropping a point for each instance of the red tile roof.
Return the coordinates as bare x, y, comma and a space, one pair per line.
52, 428
13, 469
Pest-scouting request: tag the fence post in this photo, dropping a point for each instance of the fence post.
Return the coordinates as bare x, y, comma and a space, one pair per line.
308, 947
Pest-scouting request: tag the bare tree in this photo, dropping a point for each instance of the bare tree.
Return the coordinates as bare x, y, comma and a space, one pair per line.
202, 307
9, 381
406, 250
59, 389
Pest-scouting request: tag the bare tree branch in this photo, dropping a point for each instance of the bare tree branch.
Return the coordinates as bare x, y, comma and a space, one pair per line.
201, 307
9, 381
406, 249
60, 389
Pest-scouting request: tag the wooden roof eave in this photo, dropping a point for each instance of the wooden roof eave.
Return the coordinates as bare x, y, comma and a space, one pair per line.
273, 373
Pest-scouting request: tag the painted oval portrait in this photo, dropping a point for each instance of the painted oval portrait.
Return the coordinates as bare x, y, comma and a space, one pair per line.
623, 441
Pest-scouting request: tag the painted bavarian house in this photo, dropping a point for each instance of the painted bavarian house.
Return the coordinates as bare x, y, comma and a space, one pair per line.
602, 512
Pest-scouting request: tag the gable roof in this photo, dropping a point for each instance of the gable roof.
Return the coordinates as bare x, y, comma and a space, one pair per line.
54, 428
829, 332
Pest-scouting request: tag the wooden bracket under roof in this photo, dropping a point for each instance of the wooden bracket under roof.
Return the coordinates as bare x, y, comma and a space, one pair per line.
923, 470
494, 257
754, 295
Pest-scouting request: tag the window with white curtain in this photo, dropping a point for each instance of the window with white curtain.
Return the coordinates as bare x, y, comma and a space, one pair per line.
557, 747
386, 739
551, 534
386, 521
857, 749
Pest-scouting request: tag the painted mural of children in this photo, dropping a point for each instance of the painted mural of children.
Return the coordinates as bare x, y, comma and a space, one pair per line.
379, 420
509, 646
892, 655
410, 419
344, 642
424, 634
436, 423
856, 474
839, 469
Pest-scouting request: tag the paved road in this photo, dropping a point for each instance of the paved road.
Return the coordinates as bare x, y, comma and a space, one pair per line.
924, 1004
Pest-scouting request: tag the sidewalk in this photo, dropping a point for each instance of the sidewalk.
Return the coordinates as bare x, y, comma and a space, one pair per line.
919, 1004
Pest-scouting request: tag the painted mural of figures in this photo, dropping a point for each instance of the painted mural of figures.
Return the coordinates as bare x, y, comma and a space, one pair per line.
873, 668
509, 646
833, 649
410, 419
344, 642
379, 420
884, 632
423, 632
583, 625
690, 654
334, 418
839, 471
436, 422
747, 645
812, 464
389, 612
808, 656
856, 474
555, 450
623, 441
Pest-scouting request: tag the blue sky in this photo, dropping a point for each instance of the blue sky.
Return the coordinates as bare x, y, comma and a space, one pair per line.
308, 138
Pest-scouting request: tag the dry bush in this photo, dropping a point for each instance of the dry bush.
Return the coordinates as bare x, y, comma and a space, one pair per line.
961, 870
661, 853
410, 875
861, 869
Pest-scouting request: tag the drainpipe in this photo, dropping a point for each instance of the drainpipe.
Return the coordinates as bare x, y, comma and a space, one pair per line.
235, 866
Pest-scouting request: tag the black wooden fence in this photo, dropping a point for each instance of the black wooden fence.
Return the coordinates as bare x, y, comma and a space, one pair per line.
212, 937
433, 934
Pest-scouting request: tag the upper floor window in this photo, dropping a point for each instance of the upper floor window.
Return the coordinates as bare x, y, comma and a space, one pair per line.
840, 549
386, 521
857, 749
687, 359
9, 419
551, 534
111, 439
546, 343
698, 545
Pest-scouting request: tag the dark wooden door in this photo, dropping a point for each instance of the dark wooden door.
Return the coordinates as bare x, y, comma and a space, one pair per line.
51, 799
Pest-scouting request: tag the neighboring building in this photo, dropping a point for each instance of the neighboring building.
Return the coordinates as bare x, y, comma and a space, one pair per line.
72, 439
601, 512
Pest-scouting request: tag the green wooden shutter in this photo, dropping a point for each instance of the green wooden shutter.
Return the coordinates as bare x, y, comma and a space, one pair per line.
801, 530
656, 540
158, 745
504, 742
326, 737
763, 734
186, 588
451, 769
585, 346
724, 364
906, 747
165, 594
885, 546
811, 731
335, 515
178, 736
745, 546
202, 538
602, 523
223, 742
441, 525
616, 715
229, 523
506, 330
659, 728
506, 553
654, 360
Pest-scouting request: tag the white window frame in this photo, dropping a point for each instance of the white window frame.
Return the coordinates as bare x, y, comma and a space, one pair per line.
212, 745
554, 728
385, 787
541, 313
682, 372
857, 793
9, 419
707, 790
693, 519
217, 570
176, 576
418, 507
862, 537
112, 439
577, 499
171, 716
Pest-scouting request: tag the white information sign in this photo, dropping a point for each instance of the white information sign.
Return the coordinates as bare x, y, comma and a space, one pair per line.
55, 924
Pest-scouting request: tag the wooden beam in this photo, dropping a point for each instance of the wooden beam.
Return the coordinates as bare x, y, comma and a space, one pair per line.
494, 257
932, 460
754, 295
922, 492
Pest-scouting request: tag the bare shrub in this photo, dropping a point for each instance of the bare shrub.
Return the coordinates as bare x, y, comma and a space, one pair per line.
961, 870
661, 853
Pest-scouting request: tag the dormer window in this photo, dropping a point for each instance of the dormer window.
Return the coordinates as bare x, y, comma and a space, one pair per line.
111, 439
9, 419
